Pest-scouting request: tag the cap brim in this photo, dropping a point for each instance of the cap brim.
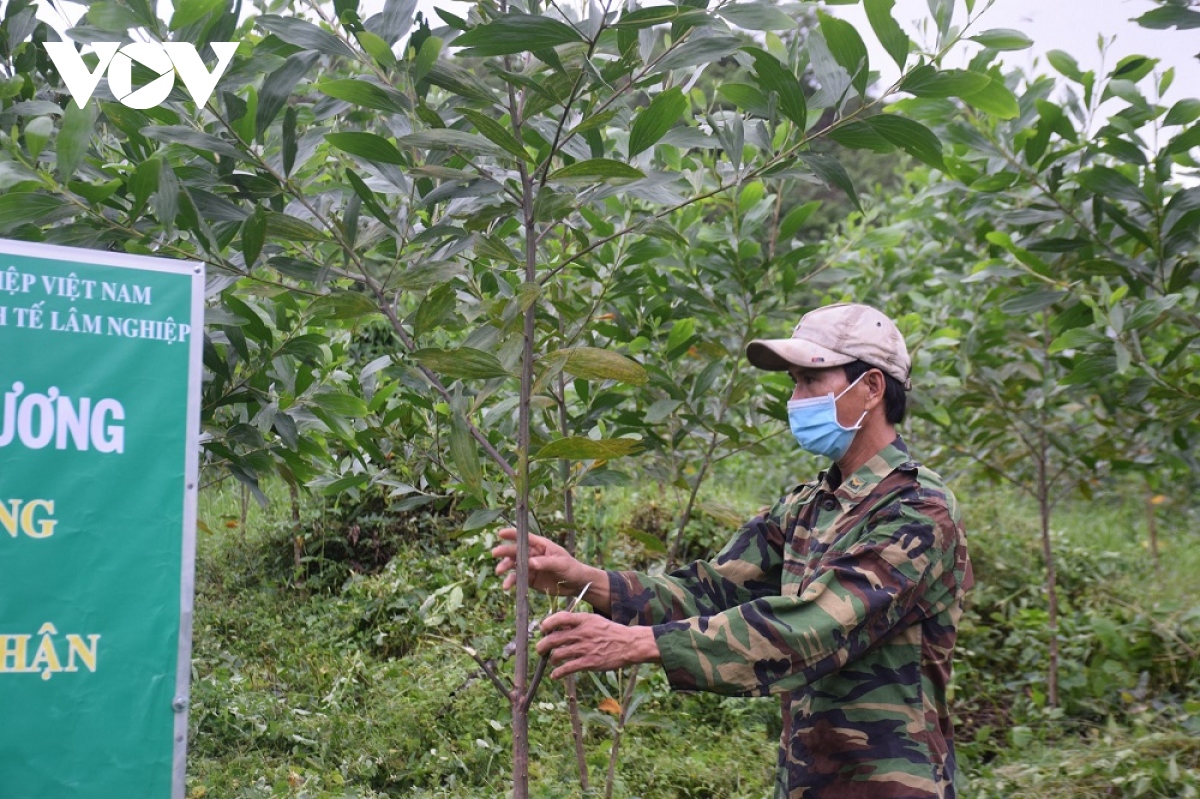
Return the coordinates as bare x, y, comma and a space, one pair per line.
781, 354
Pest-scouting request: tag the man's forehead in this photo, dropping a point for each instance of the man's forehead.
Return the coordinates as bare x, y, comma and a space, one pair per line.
816, 374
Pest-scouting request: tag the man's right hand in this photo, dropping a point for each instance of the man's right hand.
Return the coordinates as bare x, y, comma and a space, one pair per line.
552, 570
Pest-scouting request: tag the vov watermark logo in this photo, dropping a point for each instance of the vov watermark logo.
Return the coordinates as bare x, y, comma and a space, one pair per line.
165, 59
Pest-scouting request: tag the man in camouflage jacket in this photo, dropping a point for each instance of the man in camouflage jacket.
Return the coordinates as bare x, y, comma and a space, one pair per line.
843, 598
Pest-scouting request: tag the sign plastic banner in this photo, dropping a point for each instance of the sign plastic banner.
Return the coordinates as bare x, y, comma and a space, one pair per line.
99, 430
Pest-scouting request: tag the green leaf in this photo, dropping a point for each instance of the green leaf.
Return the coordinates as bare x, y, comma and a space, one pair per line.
912, 137
465, 452
1111, 184
649, 17
593, 363
925, 81
450, 139
341, 484
289, 147
861, 136
496, 133
96, 192
796, 218
112, 17
681, 333
515, 33
189, 11
19, 208
37, 132
1184, 112
830, 170
890, 34
649, 541
1133, 68
1181, 205
847, 48
597, 168
453, 20
167, 195
1077, 338
585, 449
368, 198
254, 234
1036, 264
78, 126
340, 404
367, 146
305, 35
144, 182
277, 87
368, 95
201, 142
660, 410
459, 81
463, 362
774, 77
653, 123
481, 518
377, 48
1066, 64
695, 52
289, 228
435, 310
595, 121
425, 275
426, 58
1002, 39
1031, 301
345, 305
1169, 16
1184, 141
760, 16
995, 99
746, 97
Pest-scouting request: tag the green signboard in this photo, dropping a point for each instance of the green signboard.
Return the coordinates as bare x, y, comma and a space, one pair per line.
99, 430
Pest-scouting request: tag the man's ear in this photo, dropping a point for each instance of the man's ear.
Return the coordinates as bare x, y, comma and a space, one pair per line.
876, 384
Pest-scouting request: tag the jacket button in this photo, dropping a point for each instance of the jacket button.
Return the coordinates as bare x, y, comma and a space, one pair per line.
829, 504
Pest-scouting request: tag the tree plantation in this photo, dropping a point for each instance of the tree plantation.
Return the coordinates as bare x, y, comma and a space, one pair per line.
491, 265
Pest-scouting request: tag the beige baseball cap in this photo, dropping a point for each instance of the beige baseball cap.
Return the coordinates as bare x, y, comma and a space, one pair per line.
834, 335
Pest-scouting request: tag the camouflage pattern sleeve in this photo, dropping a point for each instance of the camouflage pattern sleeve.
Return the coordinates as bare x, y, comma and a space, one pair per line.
846, 603
748, 568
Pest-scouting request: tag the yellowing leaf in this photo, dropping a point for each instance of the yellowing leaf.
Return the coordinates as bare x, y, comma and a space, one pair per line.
610, 705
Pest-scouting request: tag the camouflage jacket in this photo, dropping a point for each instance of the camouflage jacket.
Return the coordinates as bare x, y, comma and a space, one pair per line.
843, 598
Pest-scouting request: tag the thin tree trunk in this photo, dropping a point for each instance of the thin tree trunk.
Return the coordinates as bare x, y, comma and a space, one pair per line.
520, 723
1152, 528
570, 544
626, 698
297, 539
245, 509
677, 541
1051, 580
1044, 508
577, 731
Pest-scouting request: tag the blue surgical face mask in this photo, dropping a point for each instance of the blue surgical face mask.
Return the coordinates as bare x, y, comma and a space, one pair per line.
816, 427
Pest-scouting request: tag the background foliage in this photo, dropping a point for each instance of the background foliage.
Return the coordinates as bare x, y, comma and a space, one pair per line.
502, 268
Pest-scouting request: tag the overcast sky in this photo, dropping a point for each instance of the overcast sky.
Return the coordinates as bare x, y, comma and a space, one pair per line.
1075, 26
1071, 25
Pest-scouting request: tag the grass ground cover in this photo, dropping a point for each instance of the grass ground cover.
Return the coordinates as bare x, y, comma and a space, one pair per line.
331, 682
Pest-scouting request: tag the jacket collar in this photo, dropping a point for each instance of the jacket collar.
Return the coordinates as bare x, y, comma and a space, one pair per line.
892, 457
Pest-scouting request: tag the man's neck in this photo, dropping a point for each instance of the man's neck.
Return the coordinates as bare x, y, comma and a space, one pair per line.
869, 442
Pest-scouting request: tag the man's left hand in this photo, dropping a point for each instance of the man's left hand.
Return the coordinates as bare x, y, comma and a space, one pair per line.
587, 642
